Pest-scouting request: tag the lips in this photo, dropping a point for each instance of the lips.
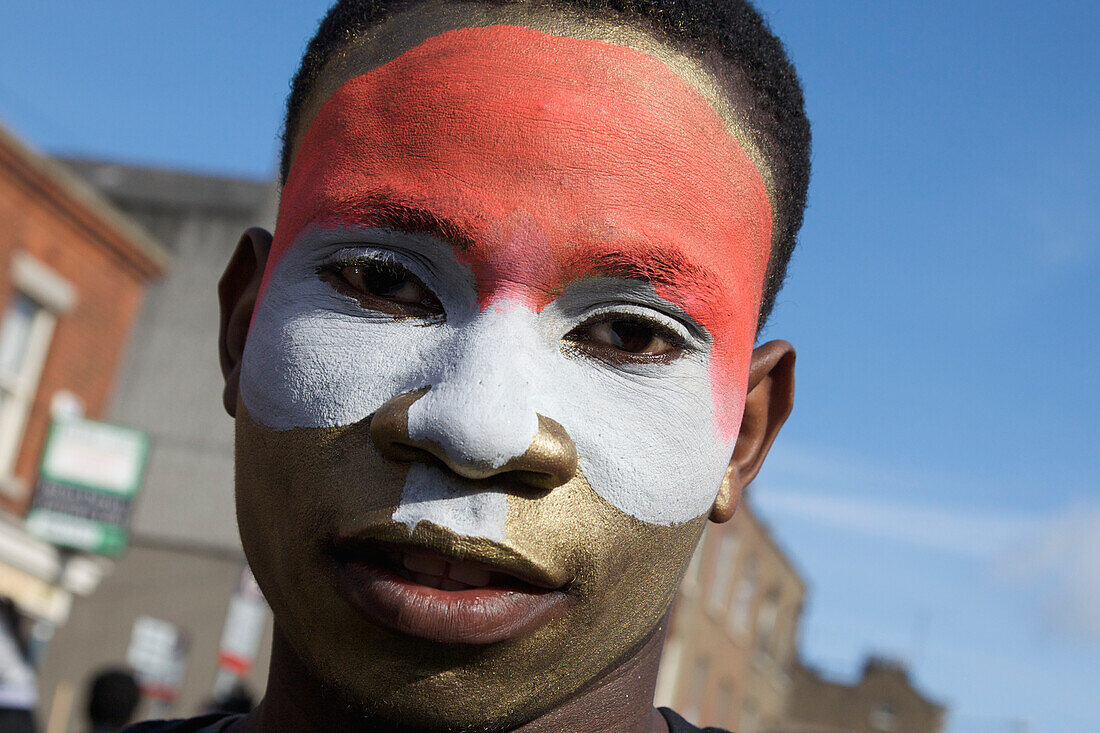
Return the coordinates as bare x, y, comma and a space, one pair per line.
467, 592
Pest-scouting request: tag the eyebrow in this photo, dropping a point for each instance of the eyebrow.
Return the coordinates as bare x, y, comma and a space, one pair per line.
382, 211
659, 265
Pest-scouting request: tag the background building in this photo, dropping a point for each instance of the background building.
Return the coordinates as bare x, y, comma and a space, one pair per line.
882, 700
733, 630
184, 560
73, 273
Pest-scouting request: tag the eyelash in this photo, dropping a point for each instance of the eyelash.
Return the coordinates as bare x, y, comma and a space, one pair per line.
353, 258
330, 272
679, 345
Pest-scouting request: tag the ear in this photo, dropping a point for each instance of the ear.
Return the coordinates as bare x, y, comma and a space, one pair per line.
237, 293
767, 405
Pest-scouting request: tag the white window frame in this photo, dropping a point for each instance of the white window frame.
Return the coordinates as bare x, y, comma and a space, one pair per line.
767, 621
725, 569
692, 577
53, 295
744, 597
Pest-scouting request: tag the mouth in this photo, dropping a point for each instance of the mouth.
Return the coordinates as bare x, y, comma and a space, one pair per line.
447, 589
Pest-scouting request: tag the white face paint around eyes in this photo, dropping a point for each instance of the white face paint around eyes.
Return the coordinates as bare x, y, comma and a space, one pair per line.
644, 434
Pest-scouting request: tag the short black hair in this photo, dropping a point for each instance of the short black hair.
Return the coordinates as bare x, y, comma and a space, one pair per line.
732, 28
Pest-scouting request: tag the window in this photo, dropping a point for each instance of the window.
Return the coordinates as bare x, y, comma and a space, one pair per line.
766, 619
783, 636
750, 717
884, 717
723, 706
26, 328
25, 332
692, 577
695, 693
725, 568
743, 596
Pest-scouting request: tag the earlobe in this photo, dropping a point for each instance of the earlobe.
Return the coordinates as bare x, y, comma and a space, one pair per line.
767, 405
237, 292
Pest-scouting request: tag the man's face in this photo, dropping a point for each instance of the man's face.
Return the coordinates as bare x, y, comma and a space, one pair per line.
496, 369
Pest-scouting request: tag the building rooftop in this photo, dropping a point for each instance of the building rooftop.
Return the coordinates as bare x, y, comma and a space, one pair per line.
161, 188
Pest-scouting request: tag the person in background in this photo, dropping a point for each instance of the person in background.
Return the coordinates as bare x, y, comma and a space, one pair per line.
238, 699
18, 685
112, 699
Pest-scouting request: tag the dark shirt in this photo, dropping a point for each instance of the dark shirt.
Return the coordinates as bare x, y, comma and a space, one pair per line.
213, 723
219, 722
676, 724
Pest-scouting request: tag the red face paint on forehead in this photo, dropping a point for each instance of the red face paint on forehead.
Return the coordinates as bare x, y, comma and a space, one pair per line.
555, 158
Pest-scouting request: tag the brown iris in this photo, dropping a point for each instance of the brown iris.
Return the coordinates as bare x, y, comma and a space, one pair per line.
622, 340
386, 287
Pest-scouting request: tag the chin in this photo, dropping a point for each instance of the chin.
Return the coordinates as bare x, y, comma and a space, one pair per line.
455, 698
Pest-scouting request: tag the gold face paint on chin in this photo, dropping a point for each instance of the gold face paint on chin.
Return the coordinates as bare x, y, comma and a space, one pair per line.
296, 489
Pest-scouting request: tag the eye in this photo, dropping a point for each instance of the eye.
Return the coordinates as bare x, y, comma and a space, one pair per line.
622, 339
382, 286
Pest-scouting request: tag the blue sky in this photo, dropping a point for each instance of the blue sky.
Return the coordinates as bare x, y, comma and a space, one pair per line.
939, 481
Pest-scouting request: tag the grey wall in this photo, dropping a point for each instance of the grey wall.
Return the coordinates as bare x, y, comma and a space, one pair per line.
189, 589
170, 384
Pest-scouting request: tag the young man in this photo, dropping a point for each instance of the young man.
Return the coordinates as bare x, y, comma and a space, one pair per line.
495, 369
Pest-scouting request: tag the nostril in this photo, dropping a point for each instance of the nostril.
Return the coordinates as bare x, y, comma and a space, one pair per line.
550, 460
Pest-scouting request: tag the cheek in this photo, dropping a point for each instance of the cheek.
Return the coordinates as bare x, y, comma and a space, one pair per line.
647, 442
307, 365
730, 318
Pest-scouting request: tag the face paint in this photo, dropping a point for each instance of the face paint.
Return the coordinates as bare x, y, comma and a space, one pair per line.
623, 575
569, 182
598, 161
430, 495
540, 197
314, 358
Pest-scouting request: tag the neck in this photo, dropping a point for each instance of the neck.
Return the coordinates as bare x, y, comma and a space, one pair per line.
620, 700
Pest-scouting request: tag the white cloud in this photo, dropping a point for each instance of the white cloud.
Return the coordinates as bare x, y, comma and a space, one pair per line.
1061, 561
1053, 558
981, 535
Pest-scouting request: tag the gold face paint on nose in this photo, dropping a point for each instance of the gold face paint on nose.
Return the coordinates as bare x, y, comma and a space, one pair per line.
549, 461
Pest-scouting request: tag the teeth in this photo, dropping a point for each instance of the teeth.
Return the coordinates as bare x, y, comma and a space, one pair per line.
432, 581
435, 572
468, 574
425, 564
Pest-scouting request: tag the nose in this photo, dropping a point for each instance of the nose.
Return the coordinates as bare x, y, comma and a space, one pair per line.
549, 461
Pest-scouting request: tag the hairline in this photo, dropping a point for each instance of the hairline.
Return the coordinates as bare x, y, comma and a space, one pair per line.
717, 80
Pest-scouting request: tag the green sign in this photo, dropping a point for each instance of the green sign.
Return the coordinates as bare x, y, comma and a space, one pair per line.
87, 480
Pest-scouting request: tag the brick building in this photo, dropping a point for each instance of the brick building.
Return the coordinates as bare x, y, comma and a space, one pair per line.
732, 634
882, 700
73, 273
